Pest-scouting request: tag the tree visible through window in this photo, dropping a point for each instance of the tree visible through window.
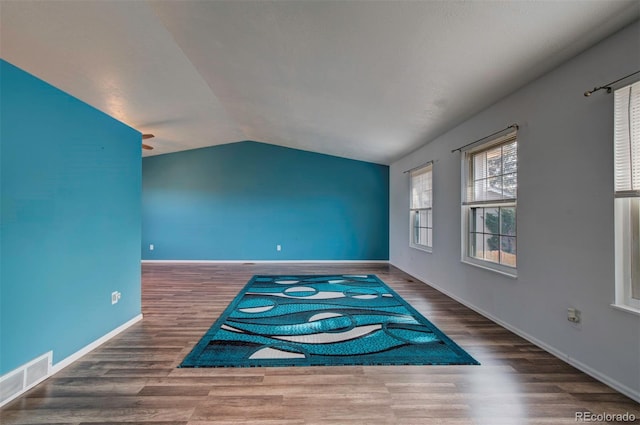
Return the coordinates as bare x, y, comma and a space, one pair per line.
493, 234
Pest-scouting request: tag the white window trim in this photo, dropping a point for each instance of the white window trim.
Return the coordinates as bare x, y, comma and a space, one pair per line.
466, 210
626, 192
623, 241
425, 248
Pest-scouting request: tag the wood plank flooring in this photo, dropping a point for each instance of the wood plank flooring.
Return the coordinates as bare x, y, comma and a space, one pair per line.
133, 378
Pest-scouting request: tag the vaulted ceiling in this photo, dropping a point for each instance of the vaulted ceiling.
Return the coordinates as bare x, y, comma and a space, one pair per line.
368, 80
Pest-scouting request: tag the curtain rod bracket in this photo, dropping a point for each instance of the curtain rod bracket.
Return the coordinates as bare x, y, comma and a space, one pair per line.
595, 89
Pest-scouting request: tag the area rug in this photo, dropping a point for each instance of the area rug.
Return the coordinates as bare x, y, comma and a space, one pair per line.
316, 320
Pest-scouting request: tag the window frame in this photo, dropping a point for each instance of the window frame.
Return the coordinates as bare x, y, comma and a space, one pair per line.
468, 206
625, 242
413, 211
626, 206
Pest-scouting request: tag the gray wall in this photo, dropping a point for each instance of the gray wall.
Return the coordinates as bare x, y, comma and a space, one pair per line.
565, 217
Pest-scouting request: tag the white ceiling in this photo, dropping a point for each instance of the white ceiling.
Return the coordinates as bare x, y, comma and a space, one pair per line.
368, 80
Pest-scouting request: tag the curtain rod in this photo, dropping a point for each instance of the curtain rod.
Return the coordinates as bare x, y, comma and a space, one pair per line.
608, 85
514, 126
417, 166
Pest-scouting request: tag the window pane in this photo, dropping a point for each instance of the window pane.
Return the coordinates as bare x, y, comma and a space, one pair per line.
510, 158
421, 222
510, 182
479, 166
494, 188
494, 161
426, 199
428, 182
480, 190
421, 188
491, 220
627, 138
476, 245
414, 198
634, 205
477, 220
508, 251
429, 237
490, 169
423, 218
423, 236
492, 248
508, 221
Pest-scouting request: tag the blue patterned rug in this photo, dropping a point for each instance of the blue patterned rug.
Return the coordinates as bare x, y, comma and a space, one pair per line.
325, 321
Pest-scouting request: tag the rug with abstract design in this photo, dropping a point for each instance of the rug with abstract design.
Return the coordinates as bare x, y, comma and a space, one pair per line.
325, 321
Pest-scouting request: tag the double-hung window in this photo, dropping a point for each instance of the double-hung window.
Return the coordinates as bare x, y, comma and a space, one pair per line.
490, 186
421, 208
627, 196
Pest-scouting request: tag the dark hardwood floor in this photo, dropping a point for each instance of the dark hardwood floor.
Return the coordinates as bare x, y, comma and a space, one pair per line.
133, 378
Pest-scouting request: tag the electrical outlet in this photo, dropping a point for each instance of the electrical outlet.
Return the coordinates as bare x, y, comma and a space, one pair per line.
115, 297
151, 247
573, 315
278, 247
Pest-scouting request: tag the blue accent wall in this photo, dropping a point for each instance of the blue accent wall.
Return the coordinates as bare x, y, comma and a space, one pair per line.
70, 221
238, 201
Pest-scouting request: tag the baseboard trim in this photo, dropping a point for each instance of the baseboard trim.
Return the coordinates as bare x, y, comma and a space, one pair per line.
92, 346
629, 392
264, 261
53, 369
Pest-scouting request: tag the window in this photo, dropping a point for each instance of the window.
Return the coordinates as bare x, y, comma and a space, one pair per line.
627, 196
490, 183
420, 209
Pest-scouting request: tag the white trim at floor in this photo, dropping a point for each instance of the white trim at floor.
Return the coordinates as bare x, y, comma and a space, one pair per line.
618, 386
53, 369
95, 344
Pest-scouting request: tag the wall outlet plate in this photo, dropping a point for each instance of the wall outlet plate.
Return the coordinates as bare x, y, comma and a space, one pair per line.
573, 315
115, 297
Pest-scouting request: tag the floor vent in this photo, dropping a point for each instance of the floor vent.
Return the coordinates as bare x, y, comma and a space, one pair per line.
25, 377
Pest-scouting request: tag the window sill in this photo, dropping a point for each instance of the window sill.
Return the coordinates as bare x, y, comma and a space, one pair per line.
512, 273
422, 248
626, 308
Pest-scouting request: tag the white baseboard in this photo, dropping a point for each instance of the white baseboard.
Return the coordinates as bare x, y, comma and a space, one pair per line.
95, 344
53, 369
264, 261
629, 392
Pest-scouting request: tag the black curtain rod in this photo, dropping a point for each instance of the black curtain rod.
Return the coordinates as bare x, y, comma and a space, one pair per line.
514, 126
608, 86
417, 166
